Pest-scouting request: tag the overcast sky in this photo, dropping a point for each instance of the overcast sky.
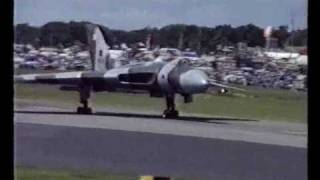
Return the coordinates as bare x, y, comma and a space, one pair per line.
136, 14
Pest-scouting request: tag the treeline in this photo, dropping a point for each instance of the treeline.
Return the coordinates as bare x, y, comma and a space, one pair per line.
177, 35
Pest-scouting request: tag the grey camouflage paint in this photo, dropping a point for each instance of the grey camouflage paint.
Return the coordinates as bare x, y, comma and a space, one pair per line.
172, 77
155, 77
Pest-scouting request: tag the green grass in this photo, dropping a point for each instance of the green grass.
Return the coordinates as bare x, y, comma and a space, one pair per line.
39, 174
22, 173
260, 104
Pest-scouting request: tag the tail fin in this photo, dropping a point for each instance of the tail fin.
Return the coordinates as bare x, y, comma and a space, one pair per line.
99, 51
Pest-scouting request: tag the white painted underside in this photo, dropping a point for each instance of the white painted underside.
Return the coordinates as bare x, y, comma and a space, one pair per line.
76, 74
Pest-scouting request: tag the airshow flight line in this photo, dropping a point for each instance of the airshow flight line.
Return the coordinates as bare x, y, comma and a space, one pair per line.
158, 78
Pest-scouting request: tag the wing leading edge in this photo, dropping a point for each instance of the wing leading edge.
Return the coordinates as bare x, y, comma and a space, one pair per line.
59, 78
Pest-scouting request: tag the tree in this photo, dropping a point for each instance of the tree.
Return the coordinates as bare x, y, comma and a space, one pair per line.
299, 37
66, 34
54, 33
25, 34
282, 35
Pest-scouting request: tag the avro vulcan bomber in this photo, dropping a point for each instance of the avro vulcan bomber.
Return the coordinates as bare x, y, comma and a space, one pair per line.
158, 78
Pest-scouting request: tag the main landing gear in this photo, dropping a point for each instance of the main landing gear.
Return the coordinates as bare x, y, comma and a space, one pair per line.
170, 112
84, 96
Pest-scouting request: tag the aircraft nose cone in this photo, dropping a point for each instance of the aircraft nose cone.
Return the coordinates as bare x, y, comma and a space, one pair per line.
194, 81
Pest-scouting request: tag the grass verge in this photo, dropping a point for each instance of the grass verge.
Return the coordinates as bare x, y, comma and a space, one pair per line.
260, 104
22, 173
40, 174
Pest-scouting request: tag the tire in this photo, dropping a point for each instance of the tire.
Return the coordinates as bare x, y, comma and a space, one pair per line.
88, 111
79, 110
174, 114
82, 110
170, 114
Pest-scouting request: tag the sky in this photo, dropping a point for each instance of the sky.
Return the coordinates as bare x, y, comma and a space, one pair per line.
137, 14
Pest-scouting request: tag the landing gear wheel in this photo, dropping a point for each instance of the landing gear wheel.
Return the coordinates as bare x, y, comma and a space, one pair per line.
170, 114
82, 110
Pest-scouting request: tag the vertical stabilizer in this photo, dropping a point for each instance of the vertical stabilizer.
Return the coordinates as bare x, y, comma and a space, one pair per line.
99, 51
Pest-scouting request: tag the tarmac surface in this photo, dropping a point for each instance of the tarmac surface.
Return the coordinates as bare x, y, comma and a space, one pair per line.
132, 142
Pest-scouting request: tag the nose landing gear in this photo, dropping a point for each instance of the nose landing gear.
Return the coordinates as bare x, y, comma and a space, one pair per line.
170, 112
84, 109
84, 92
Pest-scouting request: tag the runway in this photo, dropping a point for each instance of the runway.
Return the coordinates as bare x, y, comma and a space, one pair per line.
143, 143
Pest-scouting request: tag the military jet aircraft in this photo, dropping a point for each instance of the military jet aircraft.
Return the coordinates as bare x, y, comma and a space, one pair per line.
158, 78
